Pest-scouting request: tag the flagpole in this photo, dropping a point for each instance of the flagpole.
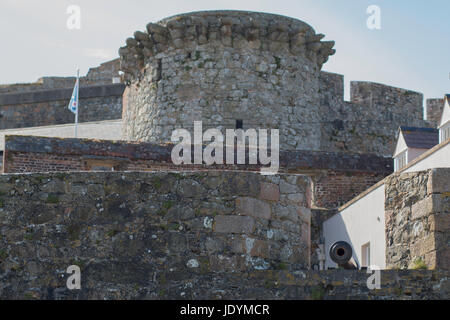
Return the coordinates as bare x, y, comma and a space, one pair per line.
78, 102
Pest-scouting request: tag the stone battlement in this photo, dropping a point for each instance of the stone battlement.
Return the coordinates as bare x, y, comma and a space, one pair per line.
44, 103
101, 75
369, 122
238, 29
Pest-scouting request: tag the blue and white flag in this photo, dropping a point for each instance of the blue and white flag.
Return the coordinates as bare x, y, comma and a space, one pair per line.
73, 105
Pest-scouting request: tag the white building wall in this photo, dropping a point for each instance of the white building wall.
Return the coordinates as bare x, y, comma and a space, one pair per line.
414, 153
358, 224
438, 159
103, 130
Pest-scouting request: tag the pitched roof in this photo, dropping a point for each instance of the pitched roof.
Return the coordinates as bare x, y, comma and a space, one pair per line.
420, 138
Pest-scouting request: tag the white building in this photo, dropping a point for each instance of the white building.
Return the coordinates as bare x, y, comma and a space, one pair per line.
411, 143
444, 123
361, 221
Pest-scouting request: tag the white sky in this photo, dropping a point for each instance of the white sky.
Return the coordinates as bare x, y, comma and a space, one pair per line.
410, 51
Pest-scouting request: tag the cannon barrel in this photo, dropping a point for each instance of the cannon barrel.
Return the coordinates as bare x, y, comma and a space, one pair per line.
341, 253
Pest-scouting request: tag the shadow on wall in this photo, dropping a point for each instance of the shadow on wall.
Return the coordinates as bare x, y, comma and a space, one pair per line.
336, 230
361, 224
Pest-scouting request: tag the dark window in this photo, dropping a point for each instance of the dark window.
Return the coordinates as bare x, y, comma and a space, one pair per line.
239, 124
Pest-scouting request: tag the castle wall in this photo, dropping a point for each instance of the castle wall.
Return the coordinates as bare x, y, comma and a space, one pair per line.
335, 177
187, 222
369, 122
417, 220
206, 66
434, 111
220, 67
101, 75
173, 236
49, 107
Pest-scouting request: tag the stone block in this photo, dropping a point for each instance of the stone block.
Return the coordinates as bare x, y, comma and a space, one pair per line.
257, 248
439, 222
234, 224
443, 259
422, 246
440, 181
253, 207
270, 192
430, 259
305, 214
422, 208
296, 197
286, 187
441, 202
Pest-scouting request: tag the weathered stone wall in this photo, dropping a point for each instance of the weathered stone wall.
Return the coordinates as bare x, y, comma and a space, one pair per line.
45, 102
178, 222
369, 122
42, 108
174, 236
434, 111
417, 208
318, 217
101, 75
335, 178
219, 68
222, 66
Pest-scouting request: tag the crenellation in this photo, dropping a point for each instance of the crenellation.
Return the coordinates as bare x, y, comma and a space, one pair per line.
240, 30
434, 109
369, 121
44, 102
263, 69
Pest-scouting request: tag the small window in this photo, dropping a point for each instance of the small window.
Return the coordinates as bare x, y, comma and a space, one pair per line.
444, 133
365, 255
239, 124
400, 161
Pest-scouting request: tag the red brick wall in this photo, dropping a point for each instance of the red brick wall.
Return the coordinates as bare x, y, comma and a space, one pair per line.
20, 162
336, 178
333, 189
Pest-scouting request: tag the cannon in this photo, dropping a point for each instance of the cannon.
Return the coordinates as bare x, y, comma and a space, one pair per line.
341, 253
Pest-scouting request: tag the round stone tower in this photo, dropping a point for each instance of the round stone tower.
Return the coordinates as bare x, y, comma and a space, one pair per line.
227, 69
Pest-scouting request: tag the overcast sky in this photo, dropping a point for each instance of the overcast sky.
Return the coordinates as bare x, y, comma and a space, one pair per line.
411, 50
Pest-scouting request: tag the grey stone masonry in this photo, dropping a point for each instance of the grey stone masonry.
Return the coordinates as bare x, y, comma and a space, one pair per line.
220, 67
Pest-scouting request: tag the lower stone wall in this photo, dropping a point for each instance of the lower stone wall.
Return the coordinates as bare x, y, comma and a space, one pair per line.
162, 222
198, 235
336, 177
125, 280
417, 208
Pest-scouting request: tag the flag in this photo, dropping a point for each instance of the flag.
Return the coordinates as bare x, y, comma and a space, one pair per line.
73, 105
